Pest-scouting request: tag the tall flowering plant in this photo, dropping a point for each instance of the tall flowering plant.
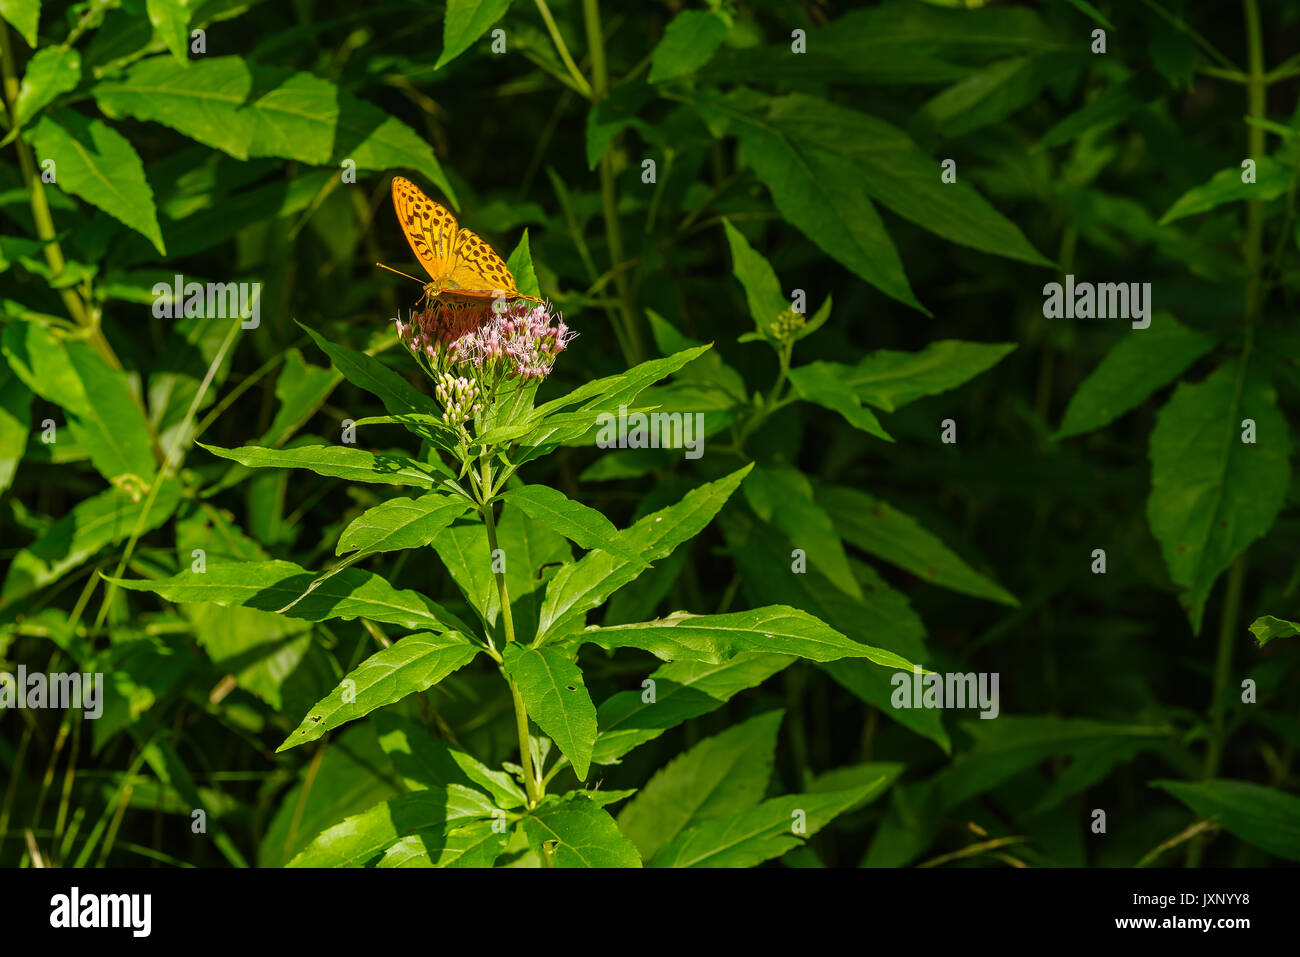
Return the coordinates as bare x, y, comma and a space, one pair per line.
509, 547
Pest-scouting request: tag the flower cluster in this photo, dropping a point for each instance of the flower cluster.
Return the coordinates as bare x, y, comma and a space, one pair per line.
786, 326
498, 340
458, 397
430, 333
518, 339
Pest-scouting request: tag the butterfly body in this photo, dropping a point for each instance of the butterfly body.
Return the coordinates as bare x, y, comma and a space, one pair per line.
461, 266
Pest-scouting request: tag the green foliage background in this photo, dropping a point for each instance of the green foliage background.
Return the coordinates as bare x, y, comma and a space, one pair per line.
776, 168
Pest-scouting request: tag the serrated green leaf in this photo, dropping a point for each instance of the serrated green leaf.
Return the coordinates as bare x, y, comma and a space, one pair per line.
1266, 628
556, 699
688, 43
784, 498
520, 265
465, 22
879, 529
411, 664
98, 164
1139, 364
579, 834
580, 524
598, 396
400, 523
894, 171
721, 775
268, 586
762, 833
1271, 181
23, 16
374, 140
681, 690
363, 837
336, 461
366, 372
610, 392
820, 193
824, 383
756, 275
1264, 817
293, 115
890, 380
424, 761
583, 585
50, 71
1211, 493
171, 20
474, 845
777, 629
204, 100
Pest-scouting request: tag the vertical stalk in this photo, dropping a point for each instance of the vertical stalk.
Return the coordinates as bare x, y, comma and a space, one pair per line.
1227, 634
86, 318
41, 209
508, 623
1255, 99
1251, 253
634, 350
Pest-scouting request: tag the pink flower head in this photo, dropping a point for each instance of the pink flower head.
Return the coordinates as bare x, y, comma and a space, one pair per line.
519, 337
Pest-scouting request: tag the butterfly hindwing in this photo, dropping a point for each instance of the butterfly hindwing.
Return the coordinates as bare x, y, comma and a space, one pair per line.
430, 227
478, 272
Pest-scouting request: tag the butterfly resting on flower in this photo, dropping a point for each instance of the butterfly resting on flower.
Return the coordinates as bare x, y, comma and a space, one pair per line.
461, 266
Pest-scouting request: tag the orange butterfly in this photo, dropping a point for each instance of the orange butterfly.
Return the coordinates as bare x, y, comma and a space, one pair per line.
460, 265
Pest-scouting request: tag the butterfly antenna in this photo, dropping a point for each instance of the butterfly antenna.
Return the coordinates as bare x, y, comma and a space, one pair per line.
399, 272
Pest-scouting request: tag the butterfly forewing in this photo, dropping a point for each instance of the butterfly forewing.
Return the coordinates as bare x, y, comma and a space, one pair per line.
460, 264
430, 227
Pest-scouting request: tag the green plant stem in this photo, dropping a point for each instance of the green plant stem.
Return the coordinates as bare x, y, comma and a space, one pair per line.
771, 403
1228, 631
633, 349
596, 44
1255, 96
1252, 254
508, 623
86, 319
41, 209
1178, 23
168, 465
507, 616
579, 80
